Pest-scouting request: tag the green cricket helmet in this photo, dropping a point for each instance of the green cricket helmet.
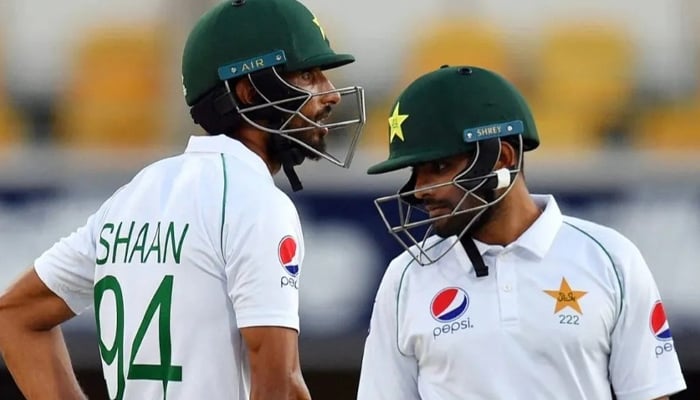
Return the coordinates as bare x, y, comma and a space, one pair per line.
451, 111
259, 40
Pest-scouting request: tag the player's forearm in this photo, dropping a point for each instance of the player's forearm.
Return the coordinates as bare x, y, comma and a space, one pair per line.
25, 351
270, 391
283, 386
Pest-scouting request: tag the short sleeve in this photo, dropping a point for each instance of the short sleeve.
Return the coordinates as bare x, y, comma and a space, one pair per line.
264, 250
643, 362
386, 373
68, 267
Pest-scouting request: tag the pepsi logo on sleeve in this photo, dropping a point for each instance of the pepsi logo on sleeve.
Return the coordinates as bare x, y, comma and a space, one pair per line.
659, 323
288, 255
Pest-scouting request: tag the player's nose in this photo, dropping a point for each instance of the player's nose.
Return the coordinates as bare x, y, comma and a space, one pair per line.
330, 97
422, 186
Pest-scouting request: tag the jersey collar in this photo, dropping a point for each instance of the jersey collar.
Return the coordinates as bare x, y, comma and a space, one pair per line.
538, 238
225, 145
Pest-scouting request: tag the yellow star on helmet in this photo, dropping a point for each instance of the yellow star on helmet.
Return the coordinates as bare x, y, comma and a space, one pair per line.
315, 21
395, 121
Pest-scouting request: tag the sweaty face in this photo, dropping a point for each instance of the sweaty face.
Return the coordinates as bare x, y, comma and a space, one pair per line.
443, 200
317, 109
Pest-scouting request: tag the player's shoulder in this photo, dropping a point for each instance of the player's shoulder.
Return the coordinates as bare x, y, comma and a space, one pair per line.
274, 198
608, 239
245, 186
147, 173
248, 182
160, 165
259, 193
162, 170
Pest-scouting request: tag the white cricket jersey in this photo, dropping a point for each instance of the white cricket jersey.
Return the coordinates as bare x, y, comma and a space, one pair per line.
192, 249
567, 310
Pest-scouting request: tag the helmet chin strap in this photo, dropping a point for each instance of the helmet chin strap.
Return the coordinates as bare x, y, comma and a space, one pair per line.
467, 240
290, 155
480, 268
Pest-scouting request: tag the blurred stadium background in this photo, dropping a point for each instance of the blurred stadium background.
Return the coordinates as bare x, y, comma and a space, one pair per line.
90, 92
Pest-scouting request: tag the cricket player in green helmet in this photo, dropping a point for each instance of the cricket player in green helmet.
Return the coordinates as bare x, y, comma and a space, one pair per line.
499, 295
451, 112
236, 70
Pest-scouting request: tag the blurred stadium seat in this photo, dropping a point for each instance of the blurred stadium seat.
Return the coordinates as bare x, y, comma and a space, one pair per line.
375, 134
12, 126
584, 72
563, 128
672, 128
115, 93
457, 41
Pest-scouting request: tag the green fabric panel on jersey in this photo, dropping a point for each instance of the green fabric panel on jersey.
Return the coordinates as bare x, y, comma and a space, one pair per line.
223, 206
230, 34
612, 263
437, 115
398, 294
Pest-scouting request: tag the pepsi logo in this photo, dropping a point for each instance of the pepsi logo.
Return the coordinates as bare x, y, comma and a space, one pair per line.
449, 304
287, 251
659, 323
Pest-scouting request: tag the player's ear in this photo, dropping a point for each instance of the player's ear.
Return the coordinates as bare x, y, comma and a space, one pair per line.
244, 91
508, 157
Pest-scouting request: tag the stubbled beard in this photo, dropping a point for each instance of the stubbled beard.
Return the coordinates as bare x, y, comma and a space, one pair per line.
313, 137
452, 225
456, 224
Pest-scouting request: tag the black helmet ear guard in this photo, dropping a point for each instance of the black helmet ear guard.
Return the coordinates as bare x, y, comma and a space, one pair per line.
216, 111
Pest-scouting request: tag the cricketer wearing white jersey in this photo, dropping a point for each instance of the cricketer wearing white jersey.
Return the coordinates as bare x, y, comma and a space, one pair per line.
503, 297
567, 309
180, 259
193, 268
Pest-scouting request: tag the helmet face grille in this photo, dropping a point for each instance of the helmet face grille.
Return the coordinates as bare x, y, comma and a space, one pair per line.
407, 220
341, 129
